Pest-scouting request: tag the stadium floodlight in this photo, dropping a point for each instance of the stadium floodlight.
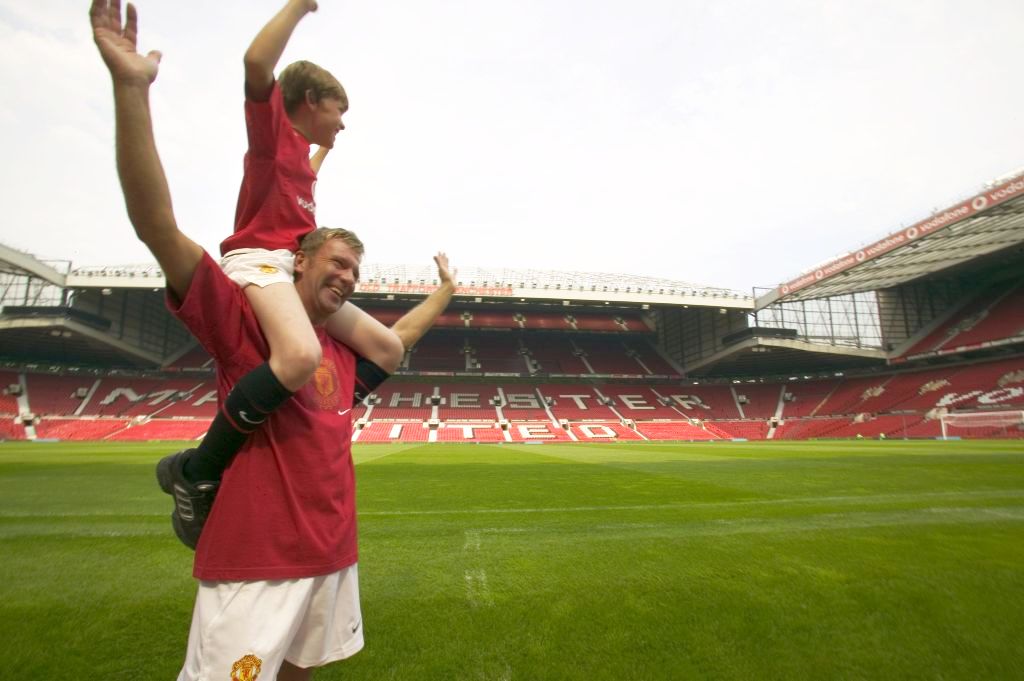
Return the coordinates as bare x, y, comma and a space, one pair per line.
981, 423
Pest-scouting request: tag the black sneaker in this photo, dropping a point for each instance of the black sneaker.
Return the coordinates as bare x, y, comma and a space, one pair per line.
192, 501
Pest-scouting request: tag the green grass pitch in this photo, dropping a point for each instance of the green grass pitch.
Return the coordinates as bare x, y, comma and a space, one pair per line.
856, 560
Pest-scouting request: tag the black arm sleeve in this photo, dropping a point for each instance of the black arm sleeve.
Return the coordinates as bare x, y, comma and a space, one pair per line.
368, 377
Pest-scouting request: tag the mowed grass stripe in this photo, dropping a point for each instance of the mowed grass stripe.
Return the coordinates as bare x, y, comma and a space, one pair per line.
847, 499
717, 526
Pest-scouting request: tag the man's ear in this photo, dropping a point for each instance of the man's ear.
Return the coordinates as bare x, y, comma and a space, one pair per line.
300, 262
311, 100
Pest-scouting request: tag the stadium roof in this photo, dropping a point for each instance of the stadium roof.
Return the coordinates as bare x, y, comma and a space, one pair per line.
385, 280
988, 223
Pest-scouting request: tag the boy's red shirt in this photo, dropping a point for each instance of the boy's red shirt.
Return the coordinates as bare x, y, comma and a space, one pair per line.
275, 207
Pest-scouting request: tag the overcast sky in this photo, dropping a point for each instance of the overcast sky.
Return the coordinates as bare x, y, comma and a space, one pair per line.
726, 143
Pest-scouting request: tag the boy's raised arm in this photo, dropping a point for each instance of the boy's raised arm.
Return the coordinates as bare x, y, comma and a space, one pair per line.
146, 194
267, 47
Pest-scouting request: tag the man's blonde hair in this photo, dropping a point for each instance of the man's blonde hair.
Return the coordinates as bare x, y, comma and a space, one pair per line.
303, 76
312, 242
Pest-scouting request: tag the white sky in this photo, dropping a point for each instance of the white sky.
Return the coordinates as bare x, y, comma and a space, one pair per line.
724, 142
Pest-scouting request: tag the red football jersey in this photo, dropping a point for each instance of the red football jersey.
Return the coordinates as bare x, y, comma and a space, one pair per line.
275, 203
286, 505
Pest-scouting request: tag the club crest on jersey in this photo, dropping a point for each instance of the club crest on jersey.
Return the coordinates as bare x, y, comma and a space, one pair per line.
268, 269
325, 382
246, 669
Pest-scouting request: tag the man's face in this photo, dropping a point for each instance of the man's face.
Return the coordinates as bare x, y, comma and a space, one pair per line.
327, 121
326, 279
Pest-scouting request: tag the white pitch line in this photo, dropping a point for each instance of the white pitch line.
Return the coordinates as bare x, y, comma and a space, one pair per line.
477, 591
472, 541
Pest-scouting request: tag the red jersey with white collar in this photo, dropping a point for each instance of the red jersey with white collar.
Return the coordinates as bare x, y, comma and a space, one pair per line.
286, 504
275, 203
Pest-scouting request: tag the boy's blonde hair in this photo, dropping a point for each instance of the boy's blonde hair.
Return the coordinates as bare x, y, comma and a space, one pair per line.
312, 242
303, 76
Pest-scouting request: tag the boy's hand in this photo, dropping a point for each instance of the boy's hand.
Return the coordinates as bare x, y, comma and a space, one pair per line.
117, 44
308, 5
446, 277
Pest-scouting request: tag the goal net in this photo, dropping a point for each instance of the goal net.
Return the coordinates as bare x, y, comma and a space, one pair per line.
983, 424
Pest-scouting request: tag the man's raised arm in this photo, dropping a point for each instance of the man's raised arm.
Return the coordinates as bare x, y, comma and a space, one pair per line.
417, 321
146, 194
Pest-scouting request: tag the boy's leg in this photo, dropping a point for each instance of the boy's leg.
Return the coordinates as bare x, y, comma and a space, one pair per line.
192, 476
366, 336
294, 356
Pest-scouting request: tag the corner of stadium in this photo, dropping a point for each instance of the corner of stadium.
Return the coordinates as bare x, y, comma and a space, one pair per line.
918, 335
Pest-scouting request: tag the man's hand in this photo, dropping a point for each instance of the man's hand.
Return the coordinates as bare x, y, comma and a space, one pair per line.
117, 43
446, 277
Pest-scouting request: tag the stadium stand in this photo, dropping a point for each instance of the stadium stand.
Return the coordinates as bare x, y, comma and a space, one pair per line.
11, 384
809, 428
498, 353
678, 430
1002, 319
994, 314
545, 320
195, 359
864, 347
607, 357
470, 432
538, 432
577, 403
467, 402
556, 354
806, 398
393, 432
706, 401
11, 429
442, 351
57, 395
403, 402
905, 403
757, 400
163, 429
521, 402
78, 429
640, 402
606, 430
746, 430
649, 359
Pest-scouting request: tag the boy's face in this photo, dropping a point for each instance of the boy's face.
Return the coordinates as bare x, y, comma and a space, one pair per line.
327, 122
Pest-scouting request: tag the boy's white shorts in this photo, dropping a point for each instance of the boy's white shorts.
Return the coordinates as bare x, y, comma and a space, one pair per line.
259, 266
239, 626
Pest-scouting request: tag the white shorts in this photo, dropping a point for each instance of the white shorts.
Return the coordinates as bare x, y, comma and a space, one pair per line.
241, 629
259, 266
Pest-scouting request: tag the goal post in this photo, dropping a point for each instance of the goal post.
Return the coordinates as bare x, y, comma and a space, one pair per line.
982, 423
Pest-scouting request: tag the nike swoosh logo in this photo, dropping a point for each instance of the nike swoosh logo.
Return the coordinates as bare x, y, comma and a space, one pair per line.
358, 624
245, 418
342, 413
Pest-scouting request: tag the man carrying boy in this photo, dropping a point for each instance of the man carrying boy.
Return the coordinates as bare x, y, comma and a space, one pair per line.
278, 594
275, 209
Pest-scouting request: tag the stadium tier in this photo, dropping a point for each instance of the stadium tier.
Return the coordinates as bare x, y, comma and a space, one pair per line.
994, 316
893, 339
429, 409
